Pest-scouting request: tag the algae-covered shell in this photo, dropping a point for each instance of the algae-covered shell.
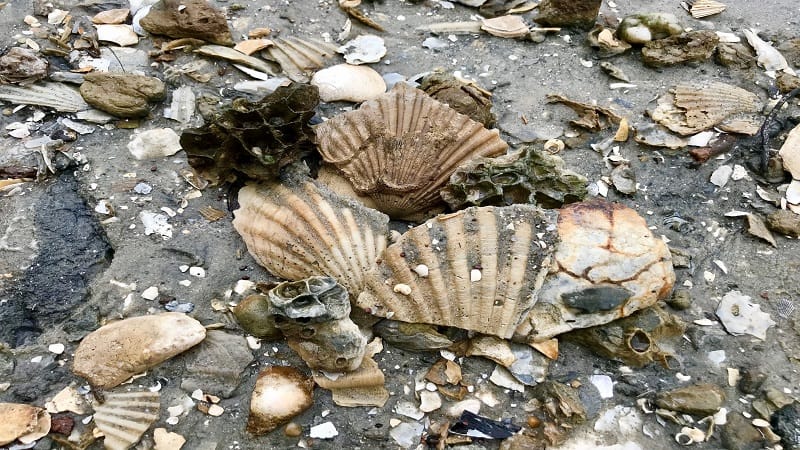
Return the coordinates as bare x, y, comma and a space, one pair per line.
402, 147
298, 228
484, 267
124, 417
607, 265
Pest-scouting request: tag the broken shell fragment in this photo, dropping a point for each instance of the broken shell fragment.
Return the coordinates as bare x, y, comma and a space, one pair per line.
361, 387
768, 56
591, 117
216, 364
641, 28
22, 422
280, 394
123, 417
692, 46
465, 97
528, 175
313, 314
790, 153
115, 352
607, 265
509, 26
122, 35
603, 40
345, 82
415, 337
510, 246
299, 58
363, 49
703, 8
401, 148
740, 315
688, 109
298, 228
22, 65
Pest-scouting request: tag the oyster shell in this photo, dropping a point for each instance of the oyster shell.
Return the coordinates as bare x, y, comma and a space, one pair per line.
607, 265
298, 229
485, 265
402, 147
124, 417
688, 109
299, 58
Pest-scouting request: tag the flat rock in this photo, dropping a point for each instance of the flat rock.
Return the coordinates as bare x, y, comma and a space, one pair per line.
687, 47
700, 399
568, 13
784, 222
188, 19
740, 434
115, 352
216, 365
120, 94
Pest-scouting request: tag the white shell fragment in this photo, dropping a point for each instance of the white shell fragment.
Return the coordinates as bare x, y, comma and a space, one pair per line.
166, 440
768, 56
364, 49
124, 417
721, 175
119, 350
156, 223
154, 144
345, 82
122, 35
182, 106
323, 431
740, 316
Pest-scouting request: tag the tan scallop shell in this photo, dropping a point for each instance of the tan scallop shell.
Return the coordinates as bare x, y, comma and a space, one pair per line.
483, 267
124, 417
689, 109
298, 229
299, 58
401, 148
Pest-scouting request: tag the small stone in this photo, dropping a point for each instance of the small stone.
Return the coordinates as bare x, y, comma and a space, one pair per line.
293, 429
721, 175
784, 222
19, 65
154, 144
735, 56
641, 28
188, 19
215, 410
150, 293
568, 13
166, 440
280, 394
740, 434
122, 94
680, 300
56, 348
198, 272
700, 399
751, 380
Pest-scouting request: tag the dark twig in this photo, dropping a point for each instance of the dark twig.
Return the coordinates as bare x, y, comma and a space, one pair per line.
764, 130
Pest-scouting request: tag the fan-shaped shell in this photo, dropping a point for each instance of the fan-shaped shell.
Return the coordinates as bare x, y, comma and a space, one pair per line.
401, 148
689, 109
298, 229
483, 267
124, 417
704, 8
300, 57
509, 26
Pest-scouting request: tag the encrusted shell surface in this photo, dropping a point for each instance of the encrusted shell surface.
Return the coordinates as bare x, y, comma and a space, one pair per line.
299, 58
607, 265
689, 109
484, 266
124, 417
401, 148
298, 229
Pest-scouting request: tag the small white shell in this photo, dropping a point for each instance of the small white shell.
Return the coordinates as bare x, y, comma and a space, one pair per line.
345, 82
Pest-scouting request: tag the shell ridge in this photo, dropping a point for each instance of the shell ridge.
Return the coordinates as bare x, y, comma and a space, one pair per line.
346, 246
516, 271
458, 273
487, 239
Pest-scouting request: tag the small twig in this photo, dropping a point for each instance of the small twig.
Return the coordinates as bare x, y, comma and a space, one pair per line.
763, 131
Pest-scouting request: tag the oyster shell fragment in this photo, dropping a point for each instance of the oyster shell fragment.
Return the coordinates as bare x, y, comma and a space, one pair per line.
402, 147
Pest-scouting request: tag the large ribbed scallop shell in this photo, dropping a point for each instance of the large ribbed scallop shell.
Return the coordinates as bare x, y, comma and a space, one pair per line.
401, 148
482, 267
124, 417
689, 109
298, 229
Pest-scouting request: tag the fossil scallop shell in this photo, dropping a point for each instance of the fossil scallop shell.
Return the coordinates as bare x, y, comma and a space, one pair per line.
300, 57
689, 109
484, 265
401, 148
298, 229
125, 416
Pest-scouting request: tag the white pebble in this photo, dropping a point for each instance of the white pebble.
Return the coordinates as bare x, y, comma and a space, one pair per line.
150, 293
56, 348
422, 270
198, 272
475, 275
402, 289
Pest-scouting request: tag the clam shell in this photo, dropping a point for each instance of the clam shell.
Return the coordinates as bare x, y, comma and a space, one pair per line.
125, 416
24, 422
401, 148
298, 229
704, 8
607, 265
484, 267
345, 82
689, 109
510, 26
280, 394
300, 57
115, 352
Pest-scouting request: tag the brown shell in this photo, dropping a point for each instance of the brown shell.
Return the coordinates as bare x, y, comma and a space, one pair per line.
689, 109
24, 422
299, 58
124, 417
704, 8
508, 247
401, 148
298, 229
509, 26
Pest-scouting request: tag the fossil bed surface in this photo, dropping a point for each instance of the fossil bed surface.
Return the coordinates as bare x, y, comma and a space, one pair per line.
61, 269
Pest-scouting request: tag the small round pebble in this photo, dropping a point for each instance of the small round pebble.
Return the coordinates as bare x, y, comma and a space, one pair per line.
293, 429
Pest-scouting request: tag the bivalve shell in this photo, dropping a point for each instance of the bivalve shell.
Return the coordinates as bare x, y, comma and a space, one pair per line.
345, 82
24, 422
299, 58
124, 417
115, 352
280, 394
704, 8
510, 26
510, 246
298, 229
401, 148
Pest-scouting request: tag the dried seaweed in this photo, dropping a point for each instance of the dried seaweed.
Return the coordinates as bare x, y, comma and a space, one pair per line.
254, 139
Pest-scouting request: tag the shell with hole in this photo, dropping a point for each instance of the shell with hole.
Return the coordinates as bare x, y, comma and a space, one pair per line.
688, 109
401, 148
607, 265
299, 228
124, 417
484, 267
